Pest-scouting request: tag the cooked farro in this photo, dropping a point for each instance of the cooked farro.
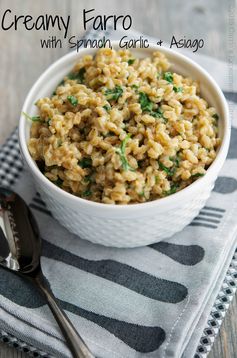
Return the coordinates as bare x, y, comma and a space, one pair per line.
121, 130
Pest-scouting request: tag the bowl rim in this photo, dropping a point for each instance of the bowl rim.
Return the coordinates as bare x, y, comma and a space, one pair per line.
165, 201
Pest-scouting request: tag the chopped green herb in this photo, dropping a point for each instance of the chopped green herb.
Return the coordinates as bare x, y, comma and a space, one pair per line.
114, 94
197, 175
147, 106
107, 107
88, 179
135, 86
145, 102
157, 113
33, 118
124, 142
121, 151
164, 168
125, 164
177, 89
72, 75
73, 100
79, 76
215, 116
85, 162
141, 193
131, 61
168, 171
48, 121
168, 76
175, 160
87, 193
173, 189
58, 182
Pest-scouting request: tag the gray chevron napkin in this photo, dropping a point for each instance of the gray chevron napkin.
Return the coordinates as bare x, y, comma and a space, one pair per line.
163, 300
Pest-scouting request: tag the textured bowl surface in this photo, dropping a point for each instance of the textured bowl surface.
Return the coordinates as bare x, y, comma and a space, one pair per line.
136, 224
125, 232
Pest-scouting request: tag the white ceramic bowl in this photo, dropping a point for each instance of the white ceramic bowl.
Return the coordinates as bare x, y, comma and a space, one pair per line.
135, 224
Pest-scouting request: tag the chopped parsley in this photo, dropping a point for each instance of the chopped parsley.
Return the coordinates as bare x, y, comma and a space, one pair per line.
33, 118
215, 116
114, 93
88, 179
135, 87
157, 113
177, 89
175, 160
79, 76
173, 189
168, 76
58, 182
85, 163
131, 61
121, 151
147, 106
73, 100
107, 107
145, 102
197, 175
168, 171
86, 193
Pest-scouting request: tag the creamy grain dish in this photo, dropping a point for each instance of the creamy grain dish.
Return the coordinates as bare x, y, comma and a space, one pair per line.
120, 129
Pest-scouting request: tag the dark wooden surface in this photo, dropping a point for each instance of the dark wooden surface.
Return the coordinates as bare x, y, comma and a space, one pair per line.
22, 61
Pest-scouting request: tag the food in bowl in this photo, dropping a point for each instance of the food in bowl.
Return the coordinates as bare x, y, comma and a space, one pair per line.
121, 130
